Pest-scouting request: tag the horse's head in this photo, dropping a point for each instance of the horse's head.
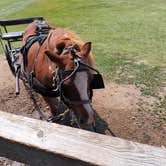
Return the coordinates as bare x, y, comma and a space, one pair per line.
72, 62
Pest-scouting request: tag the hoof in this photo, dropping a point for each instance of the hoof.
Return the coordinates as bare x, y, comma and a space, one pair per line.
54, 119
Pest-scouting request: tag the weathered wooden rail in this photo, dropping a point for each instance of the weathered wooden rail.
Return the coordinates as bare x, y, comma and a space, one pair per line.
40, 143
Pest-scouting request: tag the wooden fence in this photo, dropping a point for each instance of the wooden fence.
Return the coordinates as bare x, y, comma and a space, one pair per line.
39, 143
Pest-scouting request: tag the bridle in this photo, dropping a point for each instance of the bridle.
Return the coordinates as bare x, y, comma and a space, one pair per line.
58, 75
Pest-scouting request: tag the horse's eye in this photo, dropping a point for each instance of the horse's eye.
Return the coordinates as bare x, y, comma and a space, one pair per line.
77, 47
60, 47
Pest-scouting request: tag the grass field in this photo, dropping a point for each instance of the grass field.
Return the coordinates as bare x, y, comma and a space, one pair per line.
129, 37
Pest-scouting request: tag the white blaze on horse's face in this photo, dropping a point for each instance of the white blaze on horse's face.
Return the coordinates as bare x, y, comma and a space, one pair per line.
81, 83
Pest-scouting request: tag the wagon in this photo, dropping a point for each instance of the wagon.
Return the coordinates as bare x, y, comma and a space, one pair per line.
9, 42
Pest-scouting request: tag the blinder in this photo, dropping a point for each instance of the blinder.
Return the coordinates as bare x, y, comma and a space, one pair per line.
97, 82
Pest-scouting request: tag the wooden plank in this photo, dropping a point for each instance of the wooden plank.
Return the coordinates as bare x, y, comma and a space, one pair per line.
41, 143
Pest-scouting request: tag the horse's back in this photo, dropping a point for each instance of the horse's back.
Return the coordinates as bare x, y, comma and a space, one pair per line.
55, 35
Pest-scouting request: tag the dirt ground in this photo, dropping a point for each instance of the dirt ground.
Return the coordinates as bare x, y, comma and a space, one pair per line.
118, 108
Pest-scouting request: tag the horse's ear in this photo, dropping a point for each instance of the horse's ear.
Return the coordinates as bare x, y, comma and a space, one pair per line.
85, 50
53, 57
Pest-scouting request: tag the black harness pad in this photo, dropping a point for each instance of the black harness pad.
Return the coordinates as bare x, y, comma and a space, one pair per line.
97, 82
44, 91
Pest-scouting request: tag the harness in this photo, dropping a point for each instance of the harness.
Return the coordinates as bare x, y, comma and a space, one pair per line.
58, 73
41, 34
40, 38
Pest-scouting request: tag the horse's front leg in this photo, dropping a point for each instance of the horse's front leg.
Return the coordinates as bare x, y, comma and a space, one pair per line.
52, 103
59, 112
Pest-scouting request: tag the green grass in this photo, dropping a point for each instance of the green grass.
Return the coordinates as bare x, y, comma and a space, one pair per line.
10, 7
129, 37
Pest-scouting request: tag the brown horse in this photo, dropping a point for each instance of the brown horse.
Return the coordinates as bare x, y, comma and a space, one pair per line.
62, 53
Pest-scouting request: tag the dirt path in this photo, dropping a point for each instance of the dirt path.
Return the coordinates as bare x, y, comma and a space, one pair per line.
117, 106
